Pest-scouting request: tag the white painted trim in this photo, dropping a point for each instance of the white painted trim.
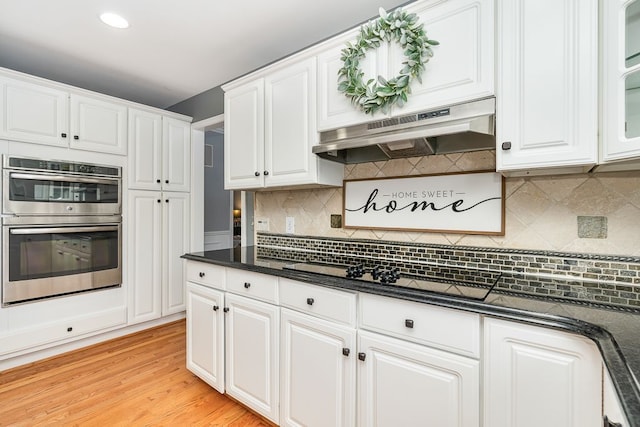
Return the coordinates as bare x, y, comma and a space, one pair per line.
211, 123
197, 190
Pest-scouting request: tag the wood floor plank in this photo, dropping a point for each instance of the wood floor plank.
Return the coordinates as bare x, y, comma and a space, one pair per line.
136, 380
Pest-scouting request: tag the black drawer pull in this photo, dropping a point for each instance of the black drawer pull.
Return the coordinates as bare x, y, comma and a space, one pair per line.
76, 137
608, 423
64, 135
310, 301
215, 308
408, 323
226, 309
247, 285
506, 145
69, 329
201, 274
362, 356
345, 352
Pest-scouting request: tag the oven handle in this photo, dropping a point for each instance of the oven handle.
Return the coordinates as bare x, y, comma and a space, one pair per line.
63, 178
45, 230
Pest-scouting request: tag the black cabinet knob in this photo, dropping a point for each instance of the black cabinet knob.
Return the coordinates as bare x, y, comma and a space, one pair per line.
266, 173
76, 137
226, 309
159, 201
158, 181
345, 352
69, 329
247, 285
506, 145
362, 356
408, 323
64, 135
166, 181
215, 308
167, 200
201, 274
257, 173
310, 301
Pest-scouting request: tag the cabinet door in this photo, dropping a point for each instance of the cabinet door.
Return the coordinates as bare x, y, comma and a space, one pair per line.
144, 246
145, 141
318, 372
335, 110
539, 377
176, 155
463, 64
34, 113
400, 383
244, 136
621, 80
290, 125
547, 84
175, 243
251, 348
98, 125
205, 334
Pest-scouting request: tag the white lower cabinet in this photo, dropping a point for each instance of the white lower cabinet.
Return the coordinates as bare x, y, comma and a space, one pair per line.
252, 356
318, 378
205, 334
406, 384
302, 355
535, 376
158, 235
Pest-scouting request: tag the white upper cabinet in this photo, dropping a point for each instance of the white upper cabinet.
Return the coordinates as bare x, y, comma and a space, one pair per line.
159, 152
621, 80
461, 69
43, 114
145, 150
270, 128
34, 113
244, 136
98, 125
547, 85
176, 155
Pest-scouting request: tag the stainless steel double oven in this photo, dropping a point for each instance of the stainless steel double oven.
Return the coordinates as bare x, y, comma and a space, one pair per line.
61, 228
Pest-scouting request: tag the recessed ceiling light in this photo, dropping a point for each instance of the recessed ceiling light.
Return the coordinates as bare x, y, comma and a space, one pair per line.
114, 20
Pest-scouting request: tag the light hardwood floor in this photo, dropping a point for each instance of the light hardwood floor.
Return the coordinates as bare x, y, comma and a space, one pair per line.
136, 380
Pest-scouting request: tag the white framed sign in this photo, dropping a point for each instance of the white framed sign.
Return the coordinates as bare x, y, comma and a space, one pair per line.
468, 203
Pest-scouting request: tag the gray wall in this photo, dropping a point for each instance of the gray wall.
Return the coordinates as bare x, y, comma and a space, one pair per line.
202, 106
217, 204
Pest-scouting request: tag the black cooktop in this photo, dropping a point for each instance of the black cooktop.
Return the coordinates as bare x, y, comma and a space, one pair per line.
453, 281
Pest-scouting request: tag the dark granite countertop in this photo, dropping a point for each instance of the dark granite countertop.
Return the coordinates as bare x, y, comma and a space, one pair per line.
616, 332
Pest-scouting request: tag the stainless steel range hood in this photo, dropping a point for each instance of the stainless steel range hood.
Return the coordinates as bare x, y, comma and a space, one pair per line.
452, 129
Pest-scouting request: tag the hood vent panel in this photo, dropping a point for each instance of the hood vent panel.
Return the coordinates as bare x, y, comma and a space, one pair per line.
457, 128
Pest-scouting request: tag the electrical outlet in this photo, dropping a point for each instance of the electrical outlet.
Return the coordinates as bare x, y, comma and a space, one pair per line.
262, 224
290, 226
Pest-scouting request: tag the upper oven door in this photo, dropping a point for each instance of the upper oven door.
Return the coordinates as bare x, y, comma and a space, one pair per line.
36, 193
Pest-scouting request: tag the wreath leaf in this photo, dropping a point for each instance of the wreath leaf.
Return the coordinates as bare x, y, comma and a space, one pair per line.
380, 94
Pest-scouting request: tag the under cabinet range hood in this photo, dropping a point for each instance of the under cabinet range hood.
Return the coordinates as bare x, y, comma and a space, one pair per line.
453, 129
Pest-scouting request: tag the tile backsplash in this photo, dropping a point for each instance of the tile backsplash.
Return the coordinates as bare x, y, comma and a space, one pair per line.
585, 213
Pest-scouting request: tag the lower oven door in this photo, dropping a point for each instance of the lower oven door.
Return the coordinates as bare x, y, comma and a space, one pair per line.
47, 261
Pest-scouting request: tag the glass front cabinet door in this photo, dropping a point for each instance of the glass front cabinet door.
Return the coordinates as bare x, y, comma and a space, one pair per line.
621, 81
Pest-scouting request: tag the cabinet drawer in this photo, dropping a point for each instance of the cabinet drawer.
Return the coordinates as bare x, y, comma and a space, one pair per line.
209, 275
255, 285
451, 330
319, 301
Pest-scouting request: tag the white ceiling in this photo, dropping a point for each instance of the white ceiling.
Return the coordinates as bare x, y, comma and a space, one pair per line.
174, 49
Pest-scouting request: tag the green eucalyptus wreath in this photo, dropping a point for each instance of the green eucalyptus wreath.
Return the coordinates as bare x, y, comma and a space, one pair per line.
398, 26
